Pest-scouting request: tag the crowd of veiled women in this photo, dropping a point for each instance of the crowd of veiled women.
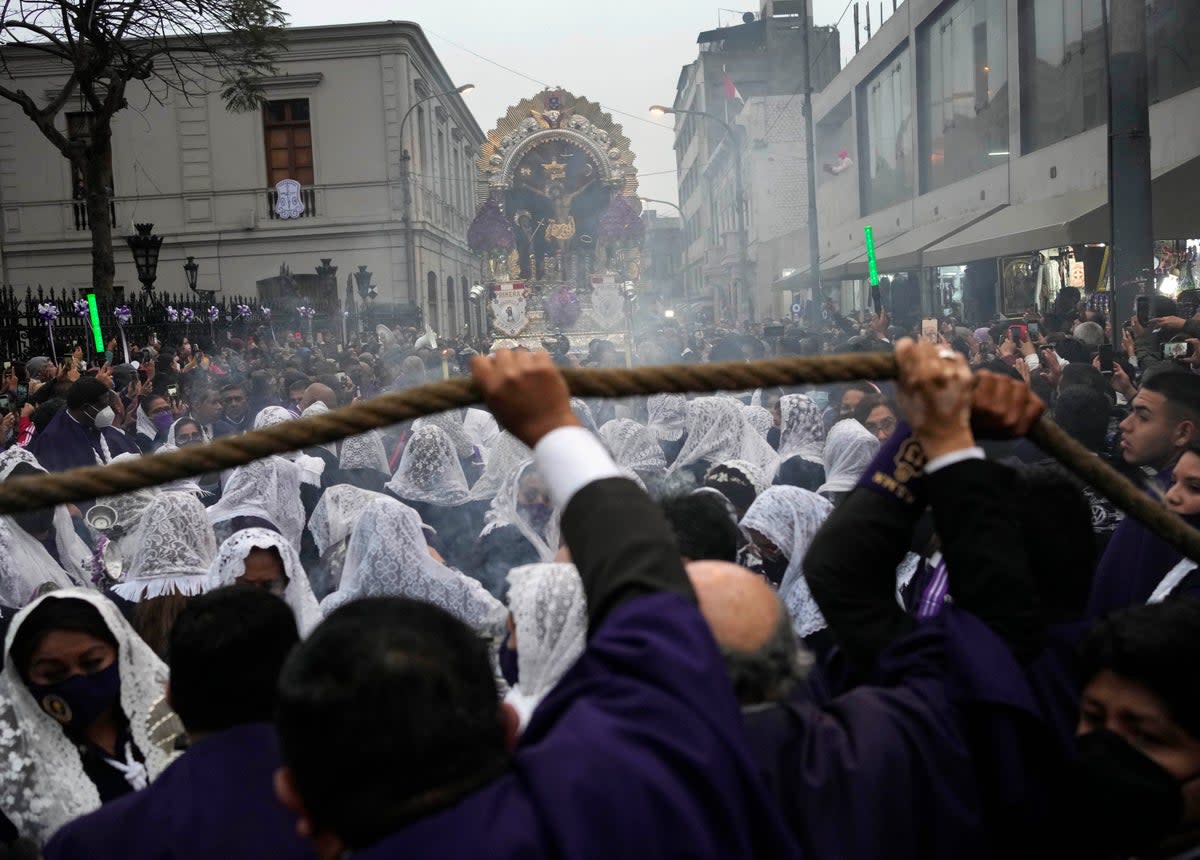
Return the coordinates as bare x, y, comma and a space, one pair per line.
779, 623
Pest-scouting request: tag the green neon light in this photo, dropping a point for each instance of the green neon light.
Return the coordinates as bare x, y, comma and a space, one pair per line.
872, 268
94, 313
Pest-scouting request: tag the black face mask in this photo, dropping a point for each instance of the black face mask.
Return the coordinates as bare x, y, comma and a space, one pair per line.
508, 662
1124, 799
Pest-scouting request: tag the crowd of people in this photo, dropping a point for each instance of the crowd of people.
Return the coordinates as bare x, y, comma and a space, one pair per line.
855, 621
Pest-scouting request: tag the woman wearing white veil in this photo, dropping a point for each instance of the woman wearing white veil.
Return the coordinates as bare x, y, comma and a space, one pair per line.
521, 527
44, 743
265, 491
230, 566
311, 468
332, 522
430, 479
633, 446
548, 630
782, 523
388, 557
37, 547
666, 416
506, 454
717, 431
849, 449
801, 442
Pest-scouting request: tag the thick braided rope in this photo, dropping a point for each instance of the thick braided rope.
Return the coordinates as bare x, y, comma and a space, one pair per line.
76, 485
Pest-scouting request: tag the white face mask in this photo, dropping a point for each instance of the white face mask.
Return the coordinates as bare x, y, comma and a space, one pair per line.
104, 418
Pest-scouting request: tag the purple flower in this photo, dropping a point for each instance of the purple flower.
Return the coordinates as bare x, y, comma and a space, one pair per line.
562, 307
172, 314
81, 307
306, 312
123, 314
620, 222
243, 312
214, 313
188, 315
48, 312
490, 231
265, 313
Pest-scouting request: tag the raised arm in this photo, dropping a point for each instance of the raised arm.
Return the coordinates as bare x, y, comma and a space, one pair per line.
619, 540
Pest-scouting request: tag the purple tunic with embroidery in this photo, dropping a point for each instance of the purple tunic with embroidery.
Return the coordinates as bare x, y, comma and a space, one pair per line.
67, 444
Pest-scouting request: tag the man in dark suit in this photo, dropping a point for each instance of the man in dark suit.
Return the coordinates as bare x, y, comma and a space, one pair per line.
217, 799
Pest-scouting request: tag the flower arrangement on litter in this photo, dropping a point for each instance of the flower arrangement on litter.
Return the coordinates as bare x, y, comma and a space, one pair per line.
562, 307
48, 312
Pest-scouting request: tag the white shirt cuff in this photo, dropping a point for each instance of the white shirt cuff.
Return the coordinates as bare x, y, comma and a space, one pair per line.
569, 459
953, 457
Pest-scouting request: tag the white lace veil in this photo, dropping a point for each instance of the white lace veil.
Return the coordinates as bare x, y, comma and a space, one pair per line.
319, 408
584, 413
718, 431
759, 419
272, 415
175, 547
506, 454
801, 429
42, 783
505, 511
666, 415
633, 446
549, 611
25, 565
332, 521
388, 556
430, 470
268, 489
364, 451
848, 451
230, 563
789, 518
451, 423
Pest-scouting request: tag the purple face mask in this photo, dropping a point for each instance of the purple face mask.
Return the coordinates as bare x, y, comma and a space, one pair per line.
78, 700
162, 420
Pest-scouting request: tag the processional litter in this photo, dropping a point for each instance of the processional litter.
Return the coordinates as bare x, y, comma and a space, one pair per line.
559, 223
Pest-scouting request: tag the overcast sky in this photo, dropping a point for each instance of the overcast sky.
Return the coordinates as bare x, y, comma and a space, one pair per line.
625, 54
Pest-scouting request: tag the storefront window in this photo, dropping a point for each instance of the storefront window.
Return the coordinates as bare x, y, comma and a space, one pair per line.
962, 67
1172, 32
1064, 77
885, 134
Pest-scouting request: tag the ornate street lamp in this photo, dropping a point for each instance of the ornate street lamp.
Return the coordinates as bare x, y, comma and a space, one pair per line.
362, 279
145, 247
191, 270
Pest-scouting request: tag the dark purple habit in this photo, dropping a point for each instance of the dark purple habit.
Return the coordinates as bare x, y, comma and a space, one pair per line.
1134, 563
67, 444
216, 801
638, 752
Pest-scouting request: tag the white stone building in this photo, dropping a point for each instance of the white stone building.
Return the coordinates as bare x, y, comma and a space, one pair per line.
203, 176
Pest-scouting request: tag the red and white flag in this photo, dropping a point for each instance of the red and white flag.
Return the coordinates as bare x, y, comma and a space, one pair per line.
731, 90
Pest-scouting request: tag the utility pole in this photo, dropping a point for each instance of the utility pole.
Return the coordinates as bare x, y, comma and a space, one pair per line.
816, 295
1129, 206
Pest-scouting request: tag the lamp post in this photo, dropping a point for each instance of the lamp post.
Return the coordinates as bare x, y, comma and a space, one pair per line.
479, 314
145, 247
739, 206
327, 275
406, 185
362, 279
191, 271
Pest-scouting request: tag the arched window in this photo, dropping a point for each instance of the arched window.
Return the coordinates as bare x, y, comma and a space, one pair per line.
431, 302
451, 307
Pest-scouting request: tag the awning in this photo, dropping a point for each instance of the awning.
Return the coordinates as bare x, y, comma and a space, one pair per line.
1068, 219
907, 252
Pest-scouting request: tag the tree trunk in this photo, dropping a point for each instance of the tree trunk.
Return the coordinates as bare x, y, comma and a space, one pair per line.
97, 172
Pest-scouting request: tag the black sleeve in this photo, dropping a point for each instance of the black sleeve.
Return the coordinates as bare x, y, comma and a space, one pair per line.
984, 547
622, 546
851, 571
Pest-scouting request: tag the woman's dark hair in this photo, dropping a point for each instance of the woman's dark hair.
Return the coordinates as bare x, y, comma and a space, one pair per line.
702, 526
45, 412
56, 613
868, 405
1156, 645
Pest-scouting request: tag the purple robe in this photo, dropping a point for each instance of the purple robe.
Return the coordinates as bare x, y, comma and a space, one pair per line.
638, 752
893, 762
67, 444
216, 801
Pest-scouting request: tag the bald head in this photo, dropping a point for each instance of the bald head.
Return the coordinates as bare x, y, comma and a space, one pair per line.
320, 392
741, 609
762, 656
